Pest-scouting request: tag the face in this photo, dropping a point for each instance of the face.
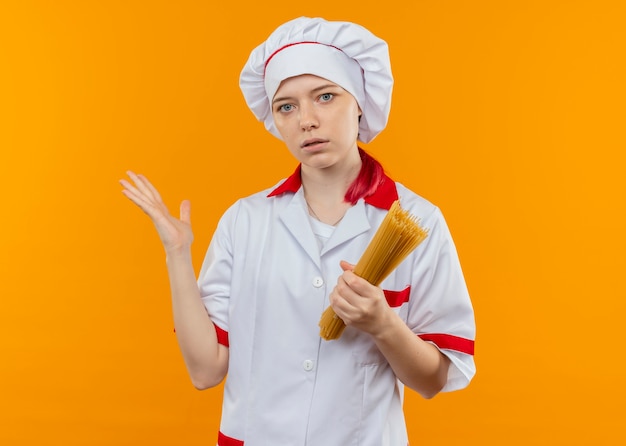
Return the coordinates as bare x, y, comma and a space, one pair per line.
318, 120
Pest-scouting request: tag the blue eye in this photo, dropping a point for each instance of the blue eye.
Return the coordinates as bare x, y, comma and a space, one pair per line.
326, 97
285, 108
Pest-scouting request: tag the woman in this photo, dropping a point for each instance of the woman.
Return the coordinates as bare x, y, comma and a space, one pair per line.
279, 257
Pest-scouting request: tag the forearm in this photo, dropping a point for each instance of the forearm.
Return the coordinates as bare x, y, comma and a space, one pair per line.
417, 364
206, 360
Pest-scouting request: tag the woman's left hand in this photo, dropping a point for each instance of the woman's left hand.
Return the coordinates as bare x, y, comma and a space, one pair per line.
359, 303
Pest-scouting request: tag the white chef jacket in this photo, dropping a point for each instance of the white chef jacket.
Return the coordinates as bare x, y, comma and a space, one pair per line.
265, 283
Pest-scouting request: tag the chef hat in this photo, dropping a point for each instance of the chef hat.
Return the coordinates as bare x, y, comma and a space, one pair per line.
341, 52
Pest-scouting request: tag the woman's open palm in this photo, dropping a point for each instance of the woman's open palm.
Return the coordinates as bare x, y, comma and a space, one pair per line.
175, 233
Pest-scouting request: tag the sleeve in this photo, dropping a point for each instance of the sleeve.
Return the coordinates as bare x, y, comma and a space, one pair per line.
214, 280
440, 310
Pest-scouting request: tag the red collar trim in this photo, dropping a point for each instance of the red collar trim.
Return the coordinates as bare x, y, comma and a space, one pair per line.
291, 184
383, 198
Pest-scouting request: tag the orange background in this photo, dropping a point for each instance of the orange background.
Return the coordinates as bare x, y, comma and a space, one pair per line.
509, 115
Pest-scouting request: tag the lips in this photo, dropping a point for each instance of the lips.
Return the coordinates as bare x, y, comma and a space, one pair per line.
312, 142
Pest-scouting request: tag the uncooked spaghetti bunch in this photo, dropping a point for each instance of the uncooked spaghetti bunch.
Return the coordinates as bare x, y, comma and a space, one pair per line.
398, 235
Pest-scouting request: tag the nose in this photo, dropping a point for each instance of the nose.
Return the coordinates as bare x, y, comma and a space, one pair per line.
308, 118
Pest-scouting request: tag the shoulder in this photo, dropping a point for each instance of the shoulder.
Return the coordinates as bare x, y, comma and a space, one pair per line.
415, 203
264, 197
255, 203
428, 214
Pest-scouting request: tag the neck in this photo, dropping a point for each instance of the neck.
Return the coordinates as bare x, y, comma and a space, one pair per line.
331, 181
328, 185
325, 190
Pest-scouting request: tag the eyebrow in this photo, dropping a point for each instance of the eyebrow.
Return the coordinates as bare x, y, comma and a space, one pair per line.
315, 90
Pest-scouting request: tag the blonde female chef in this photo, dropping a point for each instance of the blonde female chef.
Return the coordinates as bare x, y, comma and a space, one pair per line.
278, 258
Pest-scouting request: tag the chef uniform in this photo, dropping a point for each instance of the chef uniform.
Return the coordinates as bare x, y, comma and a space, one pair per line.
270, 268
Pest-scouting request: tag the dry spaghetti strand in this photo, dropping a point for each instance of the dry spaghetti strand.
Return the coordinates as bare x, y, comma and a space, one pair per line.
398, 235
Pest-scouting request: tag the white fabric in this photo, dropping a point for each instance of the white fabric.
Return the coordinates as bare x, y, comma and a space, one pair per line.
318, 59
354, 41
266, 282
321, 230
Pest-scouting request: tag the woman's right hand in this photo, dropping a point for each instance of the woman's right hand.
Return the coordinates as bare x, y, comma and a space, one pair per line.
175, 233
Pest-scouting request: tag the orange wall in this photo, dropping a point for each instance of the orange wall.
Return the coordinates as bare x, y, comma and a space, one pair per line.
507, 114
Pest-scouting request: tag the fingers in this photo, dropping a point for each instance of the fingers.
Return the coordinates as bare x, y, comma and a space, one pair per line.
144, 186
356, 306
144, 195
353, 288
128, 187
343, 295
354, 282
185, 211
346, 266
347, 304
150, 187
135, 196
137, 190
